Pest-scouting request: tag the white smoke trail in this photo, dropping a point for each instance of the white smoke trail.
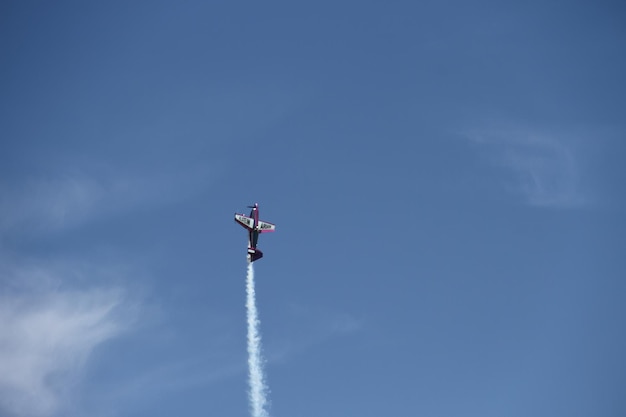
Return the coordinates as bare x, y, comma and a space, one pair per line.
256, 379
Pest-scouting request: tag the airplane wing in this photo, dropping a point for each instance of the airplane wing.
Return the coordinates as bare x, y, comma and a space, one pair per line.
265, 227
245, 221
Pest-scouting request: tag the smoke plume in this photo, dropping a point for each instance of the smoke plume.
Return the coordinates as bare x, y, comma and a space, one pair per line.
256, 379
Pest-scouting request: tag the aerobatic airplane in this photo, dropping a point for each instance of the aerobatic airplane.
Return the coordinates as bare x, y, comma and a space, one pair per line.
254, 227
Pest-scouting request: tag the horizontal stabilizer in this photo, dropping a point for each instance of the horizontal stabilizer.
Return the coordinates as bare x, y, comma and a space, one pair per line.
254, 255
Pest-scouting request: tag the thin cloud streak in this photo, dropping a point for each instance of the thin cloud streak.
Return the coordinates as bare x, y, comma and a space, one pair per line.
68, 200
544, 167
315, 326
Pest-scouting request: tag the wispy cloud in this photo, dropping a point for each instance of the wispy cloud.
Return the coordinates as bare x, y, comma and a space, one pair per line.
54, 311
545, 169
69, 199
46, 339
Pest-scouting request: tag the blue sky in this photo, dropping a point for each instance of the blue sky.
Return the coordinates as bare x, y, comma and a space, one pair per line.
446, 179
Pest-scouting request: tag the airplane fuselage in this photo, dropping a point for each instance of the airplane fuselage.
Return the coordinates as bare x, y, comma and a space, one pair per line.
254, 226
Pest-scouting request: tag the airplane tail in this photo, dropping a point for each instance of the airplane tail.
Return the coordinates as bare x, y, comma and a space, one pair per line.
254, 255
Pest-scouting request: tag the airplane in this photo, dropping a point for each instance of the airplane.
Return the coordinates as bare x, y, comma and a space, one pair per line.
254, 227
